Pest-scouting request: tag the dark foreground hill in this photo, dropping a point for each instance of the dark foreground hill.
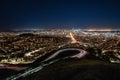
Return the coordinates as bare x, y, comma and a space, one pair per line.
78, 69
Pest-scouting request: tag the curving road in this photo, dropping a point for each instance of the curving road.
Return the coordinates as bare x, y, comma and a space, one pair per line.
79, 55
30, 71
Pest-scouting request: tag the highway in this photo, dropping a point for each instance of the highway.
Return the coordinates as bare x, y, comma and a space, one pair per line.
30, 71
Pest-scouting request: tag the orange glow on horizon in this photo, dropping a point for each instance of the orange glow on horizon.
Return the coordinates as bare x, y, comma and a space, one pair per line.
99, 30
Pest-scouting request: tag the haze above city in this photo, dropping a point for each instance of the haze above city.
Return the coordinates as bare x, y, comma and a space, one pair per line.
36, 14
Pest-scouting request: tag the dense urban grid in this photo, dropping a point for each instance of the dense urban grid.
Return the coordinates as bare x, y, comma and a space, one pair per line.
24, 47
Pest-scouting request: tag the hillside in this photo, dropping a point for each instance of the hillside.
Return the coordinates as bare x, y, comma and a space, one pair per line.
78, 69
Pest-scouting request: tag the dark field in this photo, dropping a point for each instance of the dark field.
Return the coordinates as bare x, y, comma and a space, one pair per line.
6, 72
78, 69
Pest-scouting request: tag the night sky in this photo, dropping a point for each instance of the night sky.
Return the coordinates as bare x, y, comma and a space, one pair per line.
25, 14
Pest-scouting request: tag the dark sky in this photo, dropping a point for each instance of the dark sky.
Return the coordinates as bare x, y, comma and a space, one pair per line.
20, 14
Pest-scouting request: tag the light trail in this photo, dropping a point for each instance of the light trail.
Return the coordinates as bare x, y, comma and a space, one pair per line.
79, 55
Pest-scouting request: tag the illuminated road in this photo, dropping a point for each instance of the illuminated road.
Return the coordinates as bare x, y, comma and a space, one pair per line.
79, 55
30, 71
37, 50
73, 39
